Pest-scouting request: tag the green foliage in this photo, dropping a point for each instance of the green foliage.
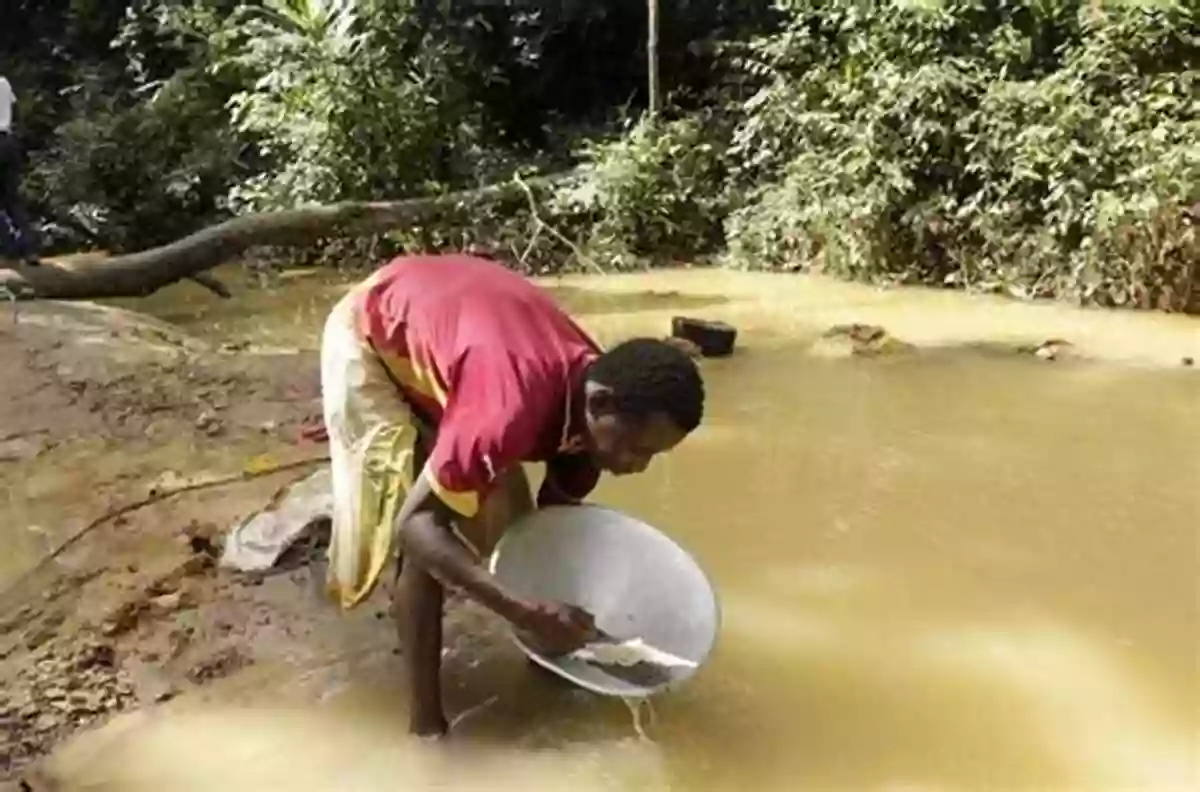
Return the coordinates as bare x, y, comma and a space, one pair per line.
1022, 145
343, 101
1042, 147
121, 176
310, 100
655, 192
142, 152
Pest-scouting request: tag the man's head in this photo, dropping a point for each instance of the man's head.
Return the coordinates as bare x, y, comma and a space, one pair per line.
643, 397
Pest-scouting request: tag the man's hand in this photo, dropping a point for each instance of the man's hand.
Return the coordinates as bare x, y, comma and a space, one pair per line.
555, 629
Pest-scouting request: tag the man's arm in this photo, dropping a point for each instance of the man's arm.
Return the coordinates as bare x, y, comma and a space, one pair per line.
425, 524
433, 556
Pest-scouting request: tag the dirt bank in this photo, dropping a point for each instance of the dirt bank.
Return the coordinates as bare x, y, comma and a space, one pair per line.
100, 410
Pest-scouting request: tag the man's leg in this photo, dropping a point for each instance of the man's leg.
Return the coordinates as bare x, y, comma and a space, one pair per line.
373, 439
418, 601
417, 607
9, 246
24, 245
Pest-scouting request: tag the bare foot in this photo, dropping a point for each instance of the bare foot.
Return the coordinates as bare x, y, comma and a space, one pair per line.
429, 727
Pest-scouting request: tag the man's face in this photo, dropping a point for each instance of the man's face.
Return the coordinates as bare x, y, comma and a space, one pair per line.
622, 444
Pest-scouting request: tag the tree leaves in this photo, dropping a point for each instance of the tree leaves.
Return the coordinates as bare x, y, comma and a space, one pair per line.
911, 141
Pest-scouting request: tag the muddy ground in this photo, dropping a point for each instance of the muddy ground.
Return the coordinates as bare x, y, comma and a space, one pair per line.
99, 411
125, 441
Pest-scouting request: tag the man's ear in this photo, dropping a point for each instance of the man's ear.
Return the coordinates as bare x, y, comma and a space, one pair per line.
600, 399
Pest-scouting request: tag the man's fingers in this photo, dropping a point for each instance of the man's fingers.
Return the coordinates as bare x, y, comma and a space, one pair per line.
586, 622
580, 615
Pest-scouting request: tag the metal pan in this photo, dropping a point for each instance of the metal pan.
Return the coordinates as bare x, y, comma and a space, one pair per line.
636, 581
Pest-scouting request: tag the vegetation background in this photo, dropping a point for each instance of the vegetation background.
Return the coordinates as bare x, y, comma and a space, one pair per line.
1034, 147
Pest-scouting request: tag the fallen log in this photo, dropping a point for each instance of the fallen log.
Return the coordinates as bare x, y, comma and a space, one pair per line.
142, 273
212, 283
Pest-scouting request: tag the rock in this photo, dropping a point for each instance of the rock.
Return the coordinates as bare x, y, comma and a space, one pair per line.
96, 655
46, 721
219, 664
198, 564
151, 684
209, 423
123, 618
178, 641
202, 538
1188, 361
1049, 350
167, 603
204, 545
713, 338
88, 702
55, 693
39, 637
861, 333
859, 340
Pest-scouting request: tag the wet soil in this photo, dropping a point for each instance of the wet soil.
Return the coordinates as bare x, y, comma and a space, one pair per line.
134, 611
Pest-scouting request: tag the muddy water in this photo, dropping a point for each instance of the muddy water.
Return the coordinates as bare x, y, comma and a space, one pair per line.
942, 571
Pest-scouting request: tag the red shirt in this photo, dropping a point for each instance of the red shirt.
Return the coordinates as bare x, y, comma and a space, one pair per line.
493, 362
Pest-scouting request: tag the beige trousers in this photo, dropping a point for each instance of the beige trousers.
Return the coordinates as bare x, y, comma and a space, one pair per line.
376, 447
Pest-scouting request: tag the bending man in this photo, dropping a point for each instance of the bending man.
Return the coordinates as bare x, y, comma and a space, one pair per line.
440, 376
16, 231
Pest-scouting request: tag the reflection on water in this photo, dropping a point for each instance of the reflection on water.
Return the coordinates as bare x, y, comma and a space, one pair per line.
289, 309
286, 310
270, 749
948, 572
585, 302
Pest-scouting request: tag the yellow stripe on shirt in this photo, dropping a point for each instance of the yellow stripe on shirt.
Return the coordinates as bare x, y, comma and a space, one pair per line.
411, 374
463, 503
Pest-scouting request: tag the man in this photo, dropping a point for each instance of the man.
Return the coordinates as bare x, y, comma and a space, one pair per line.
12, 211
440, 376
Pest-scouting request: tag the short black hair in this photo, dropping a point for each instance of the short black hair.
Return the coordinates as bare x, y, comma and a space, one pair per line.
648, 375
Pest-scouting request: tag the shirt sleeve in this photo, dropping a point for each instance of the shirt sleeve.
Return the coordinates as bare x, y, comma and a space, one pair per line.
569, 479
490, 424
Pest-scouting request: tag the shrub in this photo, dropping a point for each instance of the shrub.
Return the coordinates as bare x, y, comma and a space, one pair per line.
1024, 145
121, 176
343, 101
657, 191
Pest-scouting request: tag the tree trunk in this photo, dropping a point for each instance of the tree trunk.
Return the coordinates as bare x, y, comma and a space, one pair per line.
652, 87
139, 274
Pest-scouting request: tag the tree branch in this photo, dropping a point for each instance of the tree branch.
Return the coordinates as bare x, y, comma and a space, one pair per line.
210, 282
139, 274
